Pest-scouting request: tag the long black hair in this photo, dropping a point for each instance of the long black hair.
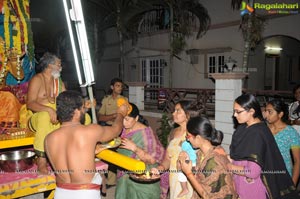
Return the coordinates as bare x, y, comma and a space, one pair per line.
203, 127
189, 108
248, 101
279, 106
135, 112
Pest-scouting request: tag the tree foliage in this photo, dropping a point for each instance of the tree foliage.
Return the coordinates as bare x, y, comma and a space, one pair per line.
125, 16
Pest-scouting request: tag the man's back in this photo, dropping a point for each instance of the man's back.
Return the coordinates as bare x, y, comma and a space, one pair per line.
76, 148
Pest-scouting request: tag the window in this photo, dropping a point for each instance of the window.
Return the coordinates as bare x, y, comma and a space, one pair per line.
152, 73
216, 63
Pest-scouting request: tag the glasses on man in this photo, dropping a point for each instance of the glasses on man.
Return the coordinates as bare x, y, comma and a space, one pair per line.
238, 111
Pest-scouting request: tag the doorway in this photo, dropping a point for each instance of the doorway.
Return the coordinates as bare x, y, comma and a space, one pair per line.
271, 72
152, 73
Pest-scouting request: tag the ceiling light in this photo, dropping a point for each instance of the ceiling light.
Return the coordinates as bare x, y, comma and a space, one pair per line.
273, 48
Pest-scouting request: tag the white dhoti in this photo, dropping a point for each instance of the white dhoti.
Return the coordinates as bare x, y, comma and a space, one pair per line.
79, 191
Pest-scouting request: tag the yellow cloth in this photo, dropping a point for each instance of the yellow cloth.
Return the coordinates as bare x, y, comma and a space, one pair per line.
109, 106
40, 123
25, 115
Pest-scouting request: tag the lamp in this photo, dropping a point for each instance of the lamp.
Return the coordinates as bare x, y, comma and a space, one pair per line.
273, 50
75, 14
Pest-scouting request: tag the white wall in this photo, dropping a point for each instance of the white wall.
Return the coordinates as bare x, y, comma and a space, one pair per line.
224, 32
287, 25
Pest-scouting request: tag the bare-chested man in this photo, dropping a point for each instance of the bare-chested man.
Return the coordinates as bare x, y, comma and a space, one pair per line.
43, 89
71, 148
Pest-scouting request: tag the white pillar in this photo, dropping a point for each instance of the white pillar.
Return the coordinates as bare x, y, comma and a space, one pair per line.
136, 94
228, 87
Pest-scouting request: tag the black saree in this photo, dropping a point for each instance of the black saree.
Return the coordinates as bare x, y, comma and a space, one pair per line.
256, 143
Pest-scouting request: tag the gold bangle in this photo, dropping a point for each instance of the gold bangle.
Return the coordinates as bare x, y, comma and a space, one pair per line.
189, 174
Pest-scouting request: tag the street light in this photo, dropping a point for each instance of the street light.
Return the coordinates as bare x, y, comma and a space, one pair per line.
75, 14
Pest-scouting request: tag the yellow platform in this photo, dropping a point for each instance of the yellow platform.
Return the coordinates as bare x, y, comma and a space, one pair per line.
16, 140
28, 186
15, 185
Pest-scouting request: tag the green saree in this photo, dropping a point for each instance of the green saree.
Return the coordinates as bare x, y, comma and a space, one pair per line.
126, 188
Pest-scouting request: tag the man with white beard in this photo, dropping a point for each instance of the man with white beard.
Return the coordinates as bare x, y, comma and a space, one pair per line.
43, 89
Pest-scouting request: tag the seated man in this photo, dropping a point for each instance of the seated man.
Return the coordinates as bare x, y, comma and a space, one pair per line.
71, 148
43, 89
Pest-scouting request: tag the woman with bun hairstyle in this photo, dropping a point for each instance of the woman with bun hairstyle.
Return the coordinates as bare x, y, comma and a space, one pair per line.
139, 141
258, 167
210, 179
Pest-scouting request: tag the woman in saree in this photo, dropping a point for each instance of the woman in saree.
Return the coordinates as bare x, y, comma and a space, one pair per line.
184, 110
138, 142
258, 167
210, 179
286, 137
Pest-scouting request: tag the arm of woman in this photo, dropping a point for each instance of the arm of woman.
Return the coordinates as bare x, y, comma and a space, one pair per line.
296, 165
142, 155
187, 170
164, 165
250, 170
197, 186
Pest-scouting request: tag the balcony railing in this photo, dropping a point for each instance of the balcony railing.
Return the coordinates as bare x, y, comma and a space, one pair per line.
159, 19
166, 98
